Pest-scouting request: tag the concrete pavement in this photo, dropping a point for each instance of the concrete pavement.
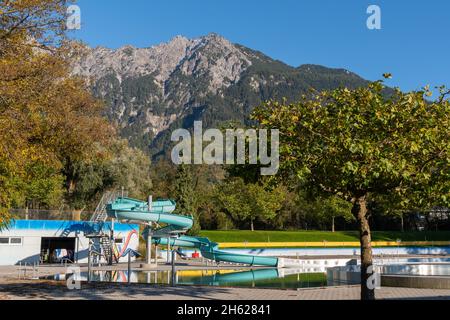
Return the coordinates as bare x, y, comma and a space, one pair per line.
17, 285
51, 290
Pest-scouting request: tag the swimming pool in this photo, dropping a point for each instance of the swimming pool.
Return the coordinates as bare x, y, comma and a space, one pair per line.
350, 275
313, 273
248, 278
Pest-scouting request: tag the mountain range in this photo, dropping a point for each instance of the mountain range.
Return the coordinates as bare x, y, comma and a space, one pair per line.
149, 92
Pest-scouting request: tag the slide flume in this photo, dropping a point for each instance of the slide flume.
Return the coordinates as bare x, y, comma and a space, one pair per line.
160, 212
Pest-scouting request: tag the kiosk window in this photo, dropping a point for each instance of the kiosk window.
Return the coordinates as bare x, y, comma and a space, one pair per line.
16, 241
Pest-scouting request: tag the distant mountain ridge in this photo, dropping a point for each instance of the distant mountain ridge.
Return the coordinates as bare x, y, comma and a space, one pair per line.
152, 91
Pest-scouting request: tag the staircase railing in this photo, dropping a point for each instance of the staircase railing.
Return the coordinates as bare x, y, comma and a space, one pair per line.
100, 214
107, 249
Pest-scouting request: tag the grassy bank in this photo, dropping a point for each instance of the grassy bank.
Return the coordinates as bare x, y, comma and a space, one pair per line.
319, 236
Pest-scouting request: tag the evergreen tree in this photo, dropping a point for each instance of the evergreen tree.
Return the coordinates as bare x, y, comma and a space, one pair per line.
185, 195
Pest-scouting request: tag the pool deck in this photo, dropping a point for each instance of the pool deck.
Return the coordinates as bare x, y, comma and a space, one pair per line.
13, 287
51, 290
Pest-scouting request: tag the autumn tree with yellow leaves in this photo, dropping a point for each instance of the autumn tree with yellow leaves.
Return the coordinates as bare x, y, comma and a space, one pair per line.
49, 121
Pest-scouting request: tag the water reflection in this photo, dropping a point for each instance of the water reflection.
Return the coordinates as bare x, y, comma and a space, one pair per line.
313, 274
256, 278
350, 275
417, 269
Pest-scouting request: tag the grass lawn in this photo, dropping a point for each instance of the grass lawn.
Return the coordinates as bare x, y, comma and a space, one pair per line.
319, 236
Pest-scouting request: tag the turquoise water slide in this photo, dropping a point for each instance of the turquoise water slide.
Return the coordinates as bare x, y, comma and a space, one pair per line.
160, 212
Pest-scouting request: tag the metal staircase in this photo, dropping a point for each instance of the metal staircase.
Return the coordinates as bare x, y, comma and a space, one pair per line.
66, 233
100, 216
105, 244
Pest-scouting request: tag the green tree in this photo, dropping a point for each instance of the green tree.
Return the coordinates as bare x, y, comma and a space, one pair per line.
130, 168
360, 144
206, 178
327, 209
302, 211
125, 167
249, 202
163, 175
42, 185
185, 195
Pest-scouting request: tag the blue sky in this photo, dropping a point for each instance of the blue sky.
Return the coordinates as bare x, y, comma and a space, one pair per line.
413, 43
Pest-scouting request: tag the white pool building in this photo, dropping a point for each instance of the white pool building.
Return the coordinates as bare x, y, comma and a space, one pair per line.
54, 241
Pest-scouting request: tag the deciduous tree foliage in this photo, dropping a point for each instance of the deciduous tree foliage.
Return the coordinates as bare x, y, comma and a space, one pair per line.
249, 202
48, 119
41, 20
123, 167
362, 143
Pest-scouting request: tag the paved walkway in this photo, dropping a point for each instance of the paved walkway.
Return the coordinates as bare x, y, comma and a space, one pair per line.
50, 290
13, 288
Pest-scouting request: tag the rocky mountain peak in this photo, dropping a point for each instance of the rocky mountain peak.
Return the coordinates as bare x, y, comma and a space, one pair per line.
152, 91
211, 55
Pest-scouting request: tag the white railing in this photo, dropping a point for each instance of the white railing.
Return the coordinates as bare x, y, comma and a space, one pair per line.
100, 214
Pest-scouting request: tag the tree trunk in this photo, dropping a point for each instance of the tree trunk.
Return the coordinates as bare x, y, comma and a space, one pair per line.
360, 212
76, 215
401, 221
251, 225
332, 225
71, 185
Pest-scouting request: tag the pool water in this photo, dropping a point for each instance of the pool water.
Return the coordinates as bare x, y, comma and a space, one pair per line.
417, 269
257, 278
350, 275
312, 275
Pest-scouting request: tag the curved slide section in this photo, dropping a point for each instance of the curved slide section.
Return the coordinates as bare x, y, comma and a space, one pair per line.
127, 209
210, 250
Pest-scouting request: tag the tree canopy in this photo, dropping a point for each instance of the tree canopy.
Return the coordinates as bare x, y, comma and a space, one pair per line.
357, 142
49, 121
250, 202
363, 143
